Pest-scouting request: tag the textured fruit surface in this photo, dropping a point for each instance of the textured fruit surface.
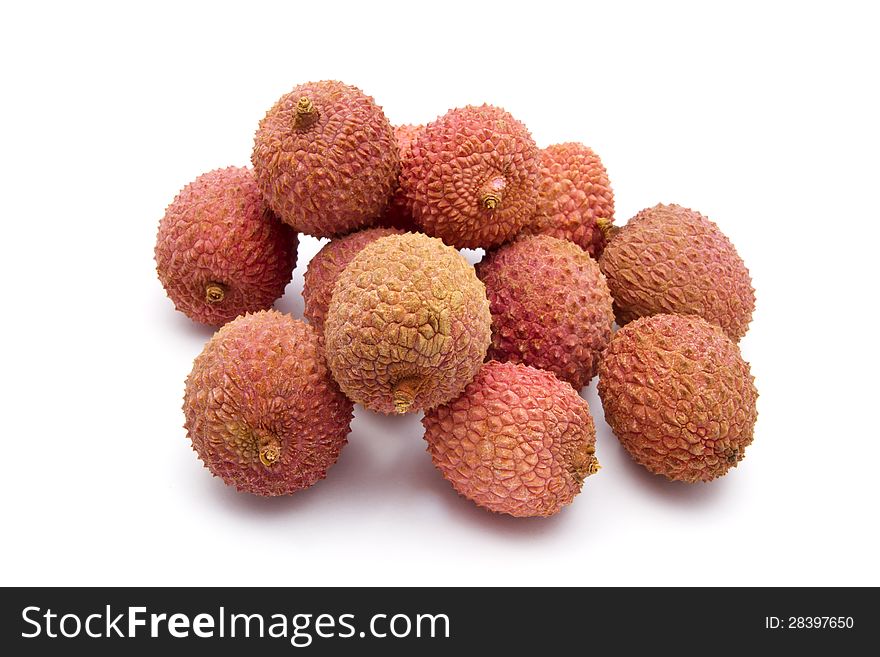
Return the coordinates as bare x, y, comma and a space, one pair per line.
398, 214
551, 308
325, 267
326, 159
574, 192
517, 441
669, 259
261, 408
220, 252
408, 324
678, 396
471, 177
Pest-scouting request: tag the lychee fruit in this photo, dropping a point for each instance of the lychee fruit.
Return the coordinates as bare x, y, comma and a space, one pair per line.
398, 215
220, 252
408, 324
326, 159
261, 408
679, 396
551, 308
574, 194
471, 177
326, 265
517, 441
669, 259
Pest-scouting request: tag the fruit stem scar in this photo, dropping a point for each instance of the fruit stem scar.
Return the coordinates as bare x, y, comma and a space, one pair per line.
583, 463
306, 114
404, 392
215, 292
492, 192
608, 229
270, 453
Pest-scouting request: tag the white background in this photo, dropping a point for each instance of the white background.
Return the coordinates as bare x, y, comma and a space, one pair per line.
764, 116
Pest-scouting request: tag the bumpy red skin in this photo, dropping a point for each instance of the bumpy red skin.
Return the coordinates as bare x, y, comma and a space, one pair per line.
335, 175
574, 192
325, 267
517, 441
218, 230
454, 161
262, 378
407, 307
678, 396
398, 215
669, 259
551, 308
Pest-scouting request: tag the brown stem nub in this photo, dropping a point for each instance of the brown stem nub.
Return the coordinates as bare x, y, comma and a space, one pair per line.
492, 192
404, 392
609, 230
306, 113
215, 292
583, 462
270, 453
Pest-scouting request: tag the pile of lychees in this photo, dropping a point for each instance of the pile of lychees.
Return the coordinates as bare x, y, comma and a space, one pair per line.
400, 322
